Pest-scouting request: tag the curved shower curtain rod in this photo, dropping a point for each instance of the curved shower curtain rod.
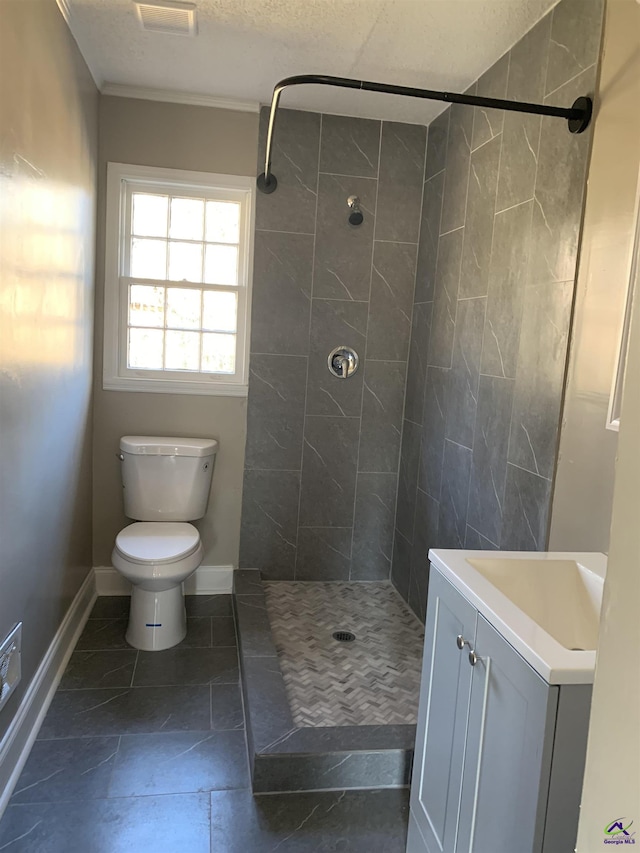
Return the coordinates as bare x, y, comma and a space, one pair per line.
578, 114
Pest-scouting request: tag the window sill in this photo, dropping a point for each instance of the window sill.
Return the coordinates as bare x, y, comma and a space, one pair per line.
172, 386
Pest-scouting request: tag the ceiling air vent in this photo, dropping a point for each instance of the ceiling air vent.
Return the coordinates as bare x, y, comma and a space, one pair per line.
165, 16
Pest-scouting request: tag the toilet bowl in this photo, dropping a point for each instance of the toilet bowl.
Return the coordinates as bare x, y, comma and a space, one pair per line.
166, 484
156, 557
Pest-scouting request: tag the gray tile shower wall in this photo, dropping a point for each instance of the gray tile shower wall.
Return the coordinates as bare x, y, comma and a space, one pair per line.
497, 254
322, 453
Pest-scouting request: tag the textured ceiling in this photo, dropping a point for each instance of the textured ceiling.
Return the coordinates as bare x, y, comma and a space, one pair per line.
245, 46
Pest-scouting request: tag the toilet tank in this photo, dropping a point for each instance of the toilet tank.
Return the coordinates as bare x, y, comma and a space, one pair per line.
166, 479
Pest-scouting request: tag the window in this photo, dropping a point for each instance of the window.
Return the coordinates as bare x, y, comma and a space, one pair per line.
177, 281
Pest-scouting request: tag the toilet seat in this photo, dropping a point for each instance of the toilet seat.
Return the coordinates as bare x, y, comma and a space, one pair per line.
157, 542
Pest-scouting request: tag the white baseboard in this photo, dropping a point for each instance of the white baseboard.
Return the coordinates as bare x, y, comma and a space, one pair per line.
23, 729
207, 580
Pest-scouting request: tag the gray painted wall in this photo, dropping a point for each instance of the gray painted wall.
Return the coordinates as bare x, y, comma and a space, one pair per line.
48, 113
174, 136
322, 452
497, 261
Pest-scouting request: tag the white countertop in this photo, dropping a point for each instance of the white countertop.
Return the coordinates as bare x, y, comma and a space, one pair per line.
552, 660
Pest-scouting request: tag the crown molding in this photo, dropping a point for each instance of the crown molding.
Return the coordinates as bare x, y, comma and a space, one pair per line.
121, 90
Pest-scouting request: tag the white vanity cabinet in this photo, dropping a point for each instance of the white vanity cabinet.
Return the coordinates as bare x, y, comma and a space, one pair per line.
499, 753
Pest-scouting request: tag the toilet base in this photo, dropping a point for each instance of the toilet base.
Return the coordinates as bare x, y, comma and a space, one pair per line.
157, 620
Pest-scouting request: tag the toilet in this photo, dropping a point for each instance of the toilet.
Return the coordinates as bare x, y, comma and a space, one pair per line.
166, 483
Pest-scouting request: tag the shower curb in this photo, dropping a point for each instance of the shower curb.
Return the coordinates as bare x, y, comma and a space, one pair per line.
284, 757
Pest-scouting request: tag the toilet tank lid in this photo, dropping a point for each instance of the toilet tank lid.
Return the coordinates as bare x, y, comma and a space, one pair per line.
155, 445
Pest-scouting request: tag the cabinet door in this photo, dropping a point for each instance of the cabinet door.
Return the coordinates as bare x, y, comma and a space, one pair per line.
508, 756
442, 720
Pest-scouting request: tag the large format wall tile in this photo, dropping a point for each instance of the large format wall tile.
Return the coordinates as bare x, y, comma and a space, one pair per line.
462, 391
417, 369
557, 210
320, 284
540, 376
456, 293
445, 300
488, 123
429, 236
392, 285
402, 156
281, 306
408, 479
342, 268
269, 519
507, 279
294, 162
437, 145
425, 534
324, 553
526, 511
478, 232
401, 568
489, 461
456, 472
382, 406
350, 146
575, 40
434, 421
457, 173
373, 527
329, 472
509, 226
521, 131
335, 323
275, 416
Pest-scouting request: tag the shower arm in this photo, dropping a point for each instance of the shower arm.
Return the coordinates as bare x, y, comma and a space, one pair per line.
578, 114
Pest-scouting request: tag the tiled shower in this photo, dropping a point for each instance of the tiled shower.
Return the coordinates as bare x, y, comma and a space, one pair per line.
456, 292
322, 452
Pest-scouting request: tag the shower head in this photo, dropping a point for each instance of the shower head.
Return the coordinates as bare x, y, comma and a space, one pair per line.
355, 217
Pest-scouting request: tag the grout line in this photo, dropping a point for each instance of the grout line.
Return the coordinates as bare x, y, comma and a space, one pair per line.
457, 443
453, 230
306, 383
406, 376
275, 231
566, 82
333, 299
113, 766
135, 666
342, 175
435, 174
512, 206
366, 344
399, 242
482, 144
528, 471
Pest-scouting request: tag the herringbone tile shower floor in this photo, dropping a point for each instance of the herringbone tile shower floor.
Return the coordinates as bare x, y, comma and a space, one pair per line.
372, 681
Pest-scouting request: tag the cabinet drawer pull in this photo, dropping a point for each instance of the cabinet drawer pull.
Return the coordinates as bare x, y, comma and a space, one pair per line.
473, 657
461, 642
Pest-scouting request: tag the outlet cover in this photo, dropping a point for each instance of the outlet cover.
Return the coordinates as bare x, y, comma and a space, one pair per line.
10, 668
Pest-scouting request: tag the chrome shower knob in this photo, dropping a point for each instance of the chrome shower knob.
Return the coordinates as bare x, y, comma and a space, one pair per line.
343, 362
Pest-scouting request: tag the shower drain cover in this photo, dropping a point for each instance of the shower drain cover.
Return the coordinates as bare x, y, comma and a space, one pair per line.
344, 636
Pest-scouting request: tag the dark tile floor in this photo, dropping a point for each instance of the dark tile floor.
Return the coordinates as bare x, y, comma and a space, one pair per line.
146, 750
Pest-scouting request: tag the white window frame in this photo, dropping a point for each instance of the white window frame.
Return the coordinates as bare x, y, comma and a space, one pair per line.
117, 376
